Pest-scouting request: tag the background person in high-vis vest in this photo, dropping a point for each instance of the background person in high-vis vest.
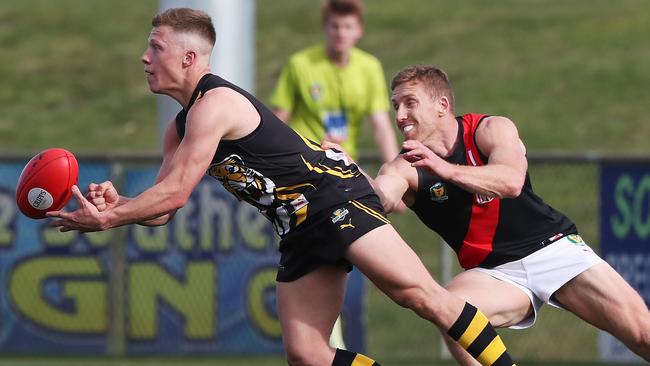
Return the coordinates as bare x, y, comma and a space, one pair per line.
326, 91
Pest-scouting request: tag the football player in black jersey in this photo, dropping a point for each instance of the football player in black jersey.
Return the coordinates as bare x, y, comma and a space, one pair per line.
466, 178
324, 209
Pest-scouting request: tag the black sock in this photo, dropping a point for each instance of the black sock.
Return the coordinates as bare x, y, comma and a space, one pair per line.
473, 331
347, 358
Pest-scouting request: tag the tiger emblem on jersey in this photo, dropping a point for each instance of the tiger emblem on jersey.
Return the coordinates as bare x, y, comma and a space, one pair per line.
243, 182
284, 206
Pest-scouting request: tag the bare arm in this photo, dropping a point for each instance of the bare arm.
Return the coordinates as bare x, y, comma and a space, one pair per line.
395, 184
104, 195
502, 176
384, 136
209, 120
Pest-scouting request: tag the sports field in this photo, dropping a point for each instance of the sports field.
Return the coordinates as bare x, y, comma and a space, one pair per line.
230, 362
572, 74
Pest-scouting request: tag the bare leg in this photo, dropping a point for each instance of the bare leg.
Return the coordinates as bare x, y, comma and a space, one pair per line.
395, 269
384, 257
308, 308
604, 299
487, 293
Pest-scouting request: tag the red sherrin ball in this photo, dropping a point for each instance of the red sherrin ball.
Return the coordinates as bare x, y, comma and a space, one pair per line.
45, 183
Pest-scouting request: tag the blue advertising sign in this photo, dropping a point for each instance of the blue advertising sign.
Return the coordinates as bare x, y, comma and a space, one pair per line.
204, 283
625, 236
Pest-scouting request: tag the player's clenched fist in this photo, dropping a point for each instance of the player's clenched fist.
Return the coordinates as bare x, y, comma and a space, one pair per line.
103, 195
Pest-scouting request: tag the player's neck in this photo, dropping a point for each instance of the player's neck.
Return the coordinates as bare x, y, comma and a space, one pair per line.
444, 141
186, 87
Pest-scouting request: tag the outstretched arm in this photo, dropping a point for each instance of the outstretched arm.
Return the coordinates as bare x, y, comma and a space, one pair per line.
208, 121
104, 196
394, 184
502, 176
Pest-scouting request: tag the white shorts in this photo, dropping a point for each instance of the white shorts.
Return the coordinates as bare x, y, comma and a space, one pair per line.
542, 273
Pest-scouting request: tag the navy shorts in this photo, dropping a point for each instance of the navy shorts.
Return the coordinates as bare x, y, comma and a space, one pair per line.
325, 239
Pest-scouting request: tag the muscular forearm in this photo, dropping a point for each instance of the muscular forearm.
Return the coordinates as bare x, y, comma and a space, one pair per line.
153, 207
489, 180
158, 221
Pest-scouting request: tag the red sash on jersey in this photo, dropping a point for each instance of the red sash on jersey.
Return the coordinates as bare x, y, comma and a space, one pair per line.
477, 244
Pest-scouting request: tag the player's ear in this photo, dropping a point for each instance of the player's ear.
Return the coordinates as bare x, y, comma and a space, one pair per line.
444, 106
189, 58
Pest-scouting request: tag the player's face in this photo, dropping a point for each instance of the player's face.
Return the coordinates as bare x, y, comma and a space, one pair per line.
415, 111
162, 59
342, 32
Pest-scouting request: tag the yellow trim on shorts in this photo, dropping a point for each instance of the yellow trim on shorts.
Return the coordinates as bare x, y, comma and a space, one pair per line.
361, 360
370, 211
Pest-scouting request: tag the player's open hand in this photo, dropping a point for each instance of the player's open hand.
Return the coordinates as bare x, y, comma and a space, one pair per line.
103, 195
85, 218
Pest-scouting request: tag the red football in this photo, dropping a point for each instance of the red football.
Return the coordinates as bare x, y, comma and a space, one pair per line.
46, 181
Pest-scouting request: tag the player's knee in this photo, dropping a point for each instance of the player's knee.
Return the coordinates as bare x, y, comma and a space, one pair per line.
638, 334
641, 337
418, 299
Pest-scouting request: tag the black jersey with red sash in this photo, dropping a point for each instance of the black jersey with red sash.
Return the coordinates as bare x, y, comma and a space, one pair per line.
485, 231
287, 177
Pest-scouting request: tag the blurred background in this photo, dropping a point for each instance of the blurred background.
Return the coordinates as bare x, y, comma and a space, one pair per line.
573, 75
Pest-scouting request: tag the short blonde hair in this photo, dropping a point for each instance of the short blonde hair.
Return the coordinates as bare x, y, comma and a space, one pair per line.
434, 79
187, 20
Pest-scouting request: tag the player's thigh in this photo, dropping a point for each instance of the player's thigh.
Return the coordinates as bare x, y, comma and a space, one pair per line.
309, 306
502, 302
603, 298
384, 257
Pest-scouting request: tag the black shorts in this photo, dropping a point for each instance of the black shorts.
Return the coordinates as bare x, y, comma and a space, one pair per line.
325, 239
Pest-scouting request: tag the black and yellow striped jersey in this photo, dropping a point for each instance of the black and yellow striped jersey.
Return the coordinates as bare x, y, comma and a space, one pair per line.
287, 177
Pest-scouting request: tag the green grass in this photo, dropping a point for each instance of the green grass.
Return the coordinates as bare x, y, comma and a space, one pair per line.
572, 74
239, 361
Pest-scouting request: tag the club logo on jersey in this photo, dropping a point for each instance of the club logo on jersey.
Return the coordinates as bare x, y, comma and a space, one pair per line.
438, 192
339, 215
316, 91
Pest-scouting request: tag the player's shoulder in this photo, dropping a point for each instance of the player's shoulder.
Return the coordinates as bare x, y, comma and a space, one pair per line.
221, 101
496, 123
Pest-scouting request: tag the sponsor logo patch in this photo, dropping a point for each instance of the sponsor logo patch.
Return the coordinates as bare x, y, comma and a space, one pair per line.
339, 215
